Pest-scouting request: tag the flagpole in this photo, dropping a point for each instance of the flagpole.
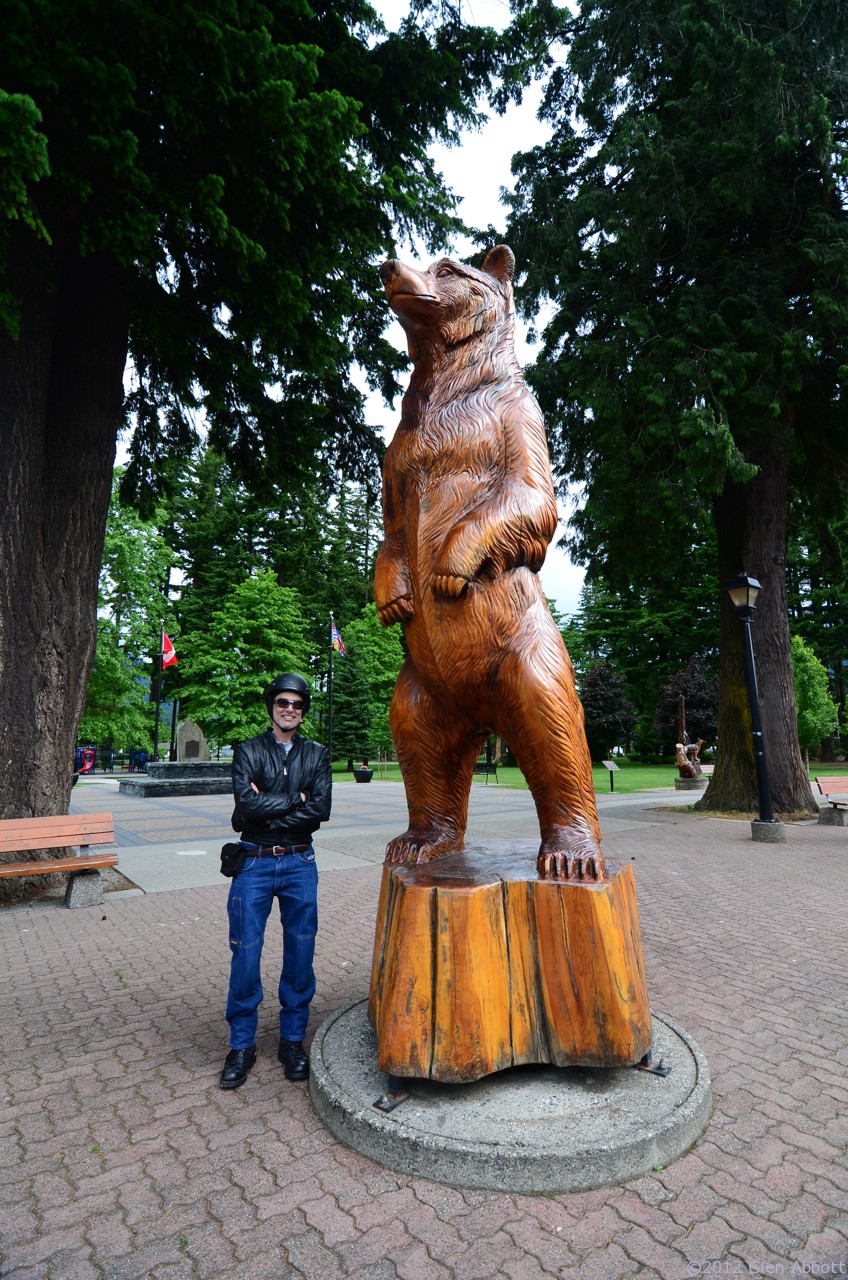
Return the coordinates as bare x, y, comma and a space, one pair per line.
158, 689
172, 745
330, 697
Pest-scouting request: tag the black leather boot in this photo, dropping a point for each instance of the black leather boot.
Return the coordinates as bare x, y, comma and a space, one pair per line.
236, 1066
294, 1058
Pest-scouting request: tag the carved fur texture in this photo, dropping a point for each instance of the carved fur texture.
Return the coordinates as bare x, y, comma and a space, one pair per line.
469, 511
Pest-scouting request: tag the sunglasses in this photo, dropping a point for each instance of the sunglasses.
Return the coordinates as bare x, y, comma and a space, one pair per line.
288, 702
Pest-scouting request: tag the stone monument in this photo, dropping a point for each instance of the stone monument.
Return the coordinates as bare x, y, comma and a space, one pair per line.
193, 773
191, 742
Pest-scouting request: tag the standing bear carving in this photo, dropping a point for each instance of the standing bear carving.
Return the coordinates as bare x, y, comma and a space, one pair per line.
469, 511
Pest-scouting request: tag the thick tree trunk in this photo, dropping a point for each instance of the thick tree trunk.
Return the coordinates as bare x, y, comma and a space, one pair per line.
61, 393
750, 525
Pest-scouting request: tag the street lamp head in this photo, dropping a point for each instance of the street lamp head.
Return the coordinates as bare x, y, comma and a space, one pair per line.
743, 592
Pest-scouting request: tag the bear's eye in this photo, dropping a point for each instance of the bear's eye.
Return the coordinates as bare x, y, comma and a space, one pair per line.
443, 271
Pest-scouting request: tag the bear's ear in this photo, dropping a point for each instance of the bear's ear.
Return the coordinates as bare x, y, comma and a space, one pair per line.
500, 263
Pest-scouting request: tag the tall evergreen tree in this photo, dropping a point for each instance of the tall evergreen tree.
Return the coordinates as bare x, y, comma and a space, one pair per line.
699, 691
818, 716
818, 595
117, 708
227, 663
133, 600
220, 532
610, 715
379, 652
320, 543
688, 222
205, 188
351, 710
651, 626
135, 574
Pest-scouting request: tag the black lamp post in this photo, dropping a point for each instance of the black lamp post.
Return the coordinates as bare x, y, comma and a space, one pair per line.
743, 592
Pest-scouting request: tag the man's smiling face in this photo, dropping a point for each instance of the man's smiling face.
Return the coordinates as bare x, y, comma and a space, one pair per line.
286, 712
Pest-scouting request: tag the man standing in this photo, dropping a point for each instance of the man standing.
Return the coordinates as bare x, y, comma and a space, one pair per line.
282, 786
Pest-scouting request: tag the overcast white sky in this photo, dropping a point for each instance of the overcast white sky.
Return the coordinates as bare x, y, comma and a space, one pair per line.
476, 170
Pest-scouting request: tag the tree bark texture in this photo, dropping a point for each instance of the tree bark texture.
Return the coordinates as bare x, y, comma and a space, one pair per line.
61, 393
750, 525
479, 965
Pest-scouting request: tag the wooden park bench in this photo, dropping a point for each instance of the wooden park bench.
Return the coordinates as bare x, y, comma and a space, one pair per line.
835, 792
77, 831
490, 770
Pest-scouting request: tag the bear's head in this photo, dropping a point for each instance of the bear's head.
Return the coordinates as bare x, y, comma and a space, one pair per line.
450, 302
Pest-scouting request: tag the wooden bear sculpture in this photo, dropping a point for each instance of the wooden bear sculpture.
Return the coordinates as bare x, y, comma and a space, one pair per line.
469, 512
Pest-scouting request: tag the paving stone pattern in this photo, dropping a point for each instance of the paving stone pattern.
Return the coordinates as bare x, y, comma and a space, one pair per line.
121, 1158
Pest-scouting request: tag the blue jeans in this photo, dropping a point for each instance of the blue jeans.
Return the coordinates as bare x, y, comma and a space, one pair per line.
292, 879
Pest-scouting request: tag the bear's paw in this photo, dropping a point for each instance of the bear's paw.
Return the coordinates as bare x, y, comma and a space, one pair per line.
417, 847
570, 853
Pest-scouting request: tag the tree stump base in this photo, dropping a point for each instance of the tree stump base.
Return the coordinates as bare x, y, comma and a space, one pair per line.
479, 965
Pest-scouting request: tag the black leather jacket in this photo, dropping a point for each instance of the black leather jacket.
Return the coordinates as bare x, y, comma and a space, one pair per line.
277, 815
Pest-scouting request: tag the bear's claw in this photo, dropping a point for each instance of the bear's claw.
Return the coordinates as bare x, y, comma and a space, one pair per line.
397, 610
449, 584
570, 866
570, 853
416, 847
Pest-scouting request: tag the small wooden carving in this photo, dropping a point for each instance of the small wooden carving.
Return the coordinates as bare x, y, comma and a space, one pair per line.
469, 511
686, 758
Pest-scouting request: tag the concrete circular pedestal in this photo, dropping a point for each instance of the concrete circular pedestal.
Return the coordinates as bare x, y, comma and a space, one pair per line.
690, 784
528, 1129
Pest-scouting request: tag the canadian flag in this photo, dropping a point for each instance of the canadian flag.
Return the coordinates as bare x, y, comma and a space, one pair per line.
169, 653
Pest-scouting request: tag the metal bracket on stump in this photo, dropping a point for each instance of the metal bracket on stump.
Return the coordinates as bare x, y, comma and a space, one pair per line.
653, 1068
395, 1094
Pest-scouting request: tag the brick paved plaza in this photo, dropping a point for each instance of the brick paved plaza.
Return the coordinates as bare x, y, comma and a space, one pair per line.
121, 1157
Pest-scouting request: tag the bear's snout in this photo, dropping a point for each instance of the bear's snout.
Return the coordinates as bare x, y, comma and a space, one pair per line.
389, 270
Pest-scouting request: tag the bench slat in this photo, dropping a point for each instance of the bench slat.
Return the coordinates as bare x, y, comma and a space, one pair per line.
60, 821
62, 831
834, 790
82, 863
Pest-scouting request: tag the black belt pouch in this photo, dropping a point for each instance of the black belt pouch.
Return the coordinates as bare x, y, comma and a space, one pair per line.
232, 859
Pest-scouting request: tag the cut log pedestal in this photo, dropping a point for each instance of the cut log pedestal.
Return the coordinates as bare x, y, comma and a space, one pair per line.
479, 965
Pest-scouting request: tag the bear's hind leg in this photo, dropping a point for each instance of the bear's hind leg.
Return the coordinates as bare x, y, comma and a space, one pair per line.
542, 720
436, 746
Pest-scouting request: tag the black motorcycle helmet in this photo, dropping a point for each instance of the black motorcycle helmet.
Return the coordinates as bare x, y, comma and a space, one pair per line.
288, 683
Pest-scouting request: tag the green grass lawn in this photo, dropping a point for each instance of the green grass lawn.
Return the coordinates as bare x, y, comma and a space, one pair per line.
630, 777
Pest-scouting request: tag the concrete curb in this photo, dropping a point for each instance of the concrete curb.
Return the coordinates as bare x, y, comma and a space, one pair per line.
528, 1130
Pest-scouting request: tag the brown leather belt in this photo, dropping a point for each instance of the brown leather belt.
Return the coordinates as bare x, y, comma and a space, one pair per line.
274, 850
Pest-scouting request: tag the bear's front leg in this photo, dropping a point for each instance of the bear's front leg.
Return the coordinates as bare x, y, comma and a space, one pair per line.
436, 746
392, 588
459, 560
